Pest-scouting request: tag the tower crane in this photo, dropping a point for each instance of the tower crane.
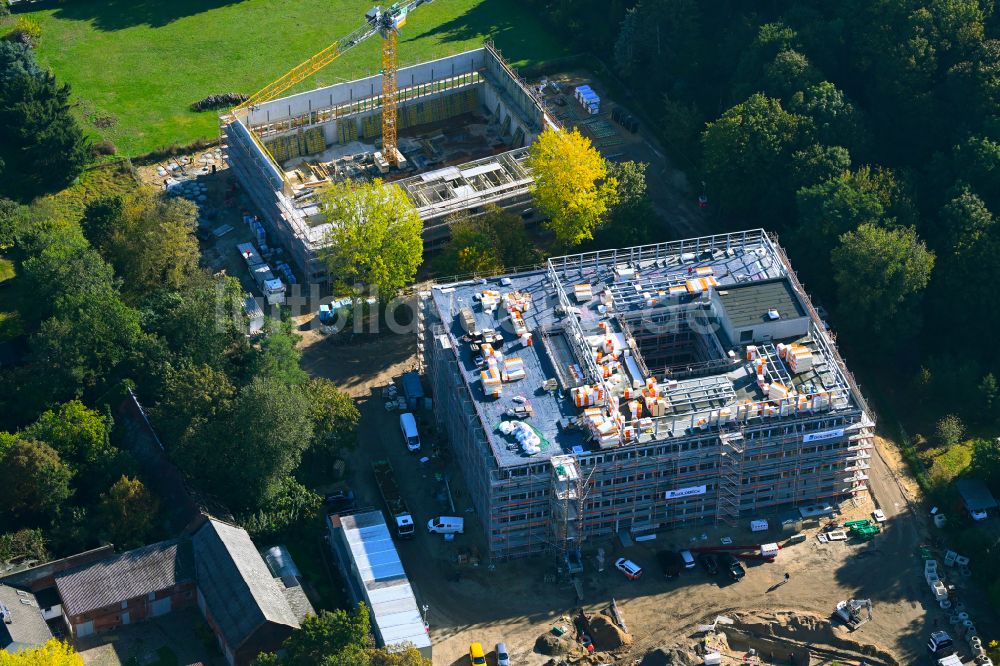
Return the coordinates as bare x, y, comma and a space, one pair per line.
386, 22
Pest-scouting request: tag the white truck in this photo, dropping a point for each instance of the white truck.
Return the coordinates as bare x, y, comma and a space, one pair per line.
271, 287
393, 498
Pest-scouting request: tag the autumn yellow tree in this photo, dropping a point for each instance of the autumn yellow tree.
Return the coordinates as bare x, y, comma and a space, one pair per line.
52, 653
572, 187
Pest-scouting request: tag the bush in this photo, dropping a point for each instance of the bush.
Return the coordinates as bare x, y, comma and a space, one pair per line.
4, 8
103, 148
25, 31
949, 430
222, 101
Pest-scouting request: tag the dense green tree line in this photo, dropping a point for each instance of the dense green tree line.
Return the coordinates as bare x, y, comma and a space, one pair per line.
866, 133
116, 299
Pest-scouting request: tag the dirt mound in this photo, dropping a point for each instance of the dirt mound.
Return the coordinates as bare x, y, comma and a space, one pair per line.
606, 634
665, 656
557, 646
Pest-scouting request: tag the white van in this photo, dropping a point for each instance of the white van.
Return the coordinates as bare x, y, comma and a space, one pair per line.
408, 426
688, 559
446, 525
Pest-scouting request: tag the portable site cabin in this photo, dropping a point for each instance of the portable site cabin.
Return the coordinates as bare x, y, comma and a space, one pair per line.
413, 390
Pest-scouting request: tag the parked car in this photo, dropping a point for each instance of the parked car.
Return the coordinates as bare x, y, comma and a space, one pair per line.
671, 563
446, 525
688, 559
503, 658
939, 642
733, 567
878, 515
631, 570
339, 500
476, 655
710, 563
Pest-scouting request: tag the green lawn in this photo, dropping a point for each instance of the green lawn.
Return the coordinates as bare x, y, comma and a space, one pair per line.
136, 65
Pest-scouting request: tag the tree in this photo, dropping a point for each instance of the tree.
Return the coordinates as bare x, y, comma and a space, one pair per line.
746, 152
949, 430
278, 357
23, 544
129, 510
572, 188
835, 120
977, 163
193, 396
244, 456
408, 657
10, 222
17, 60
33, 481
970, 243
51, 653
818, 163
826, 211
881, 275
335, 417
147, 237
202, 323
42, 149
327, 634
470, 249
485, 243
790, 72
81, 436
631, 220
375, 236
101, 218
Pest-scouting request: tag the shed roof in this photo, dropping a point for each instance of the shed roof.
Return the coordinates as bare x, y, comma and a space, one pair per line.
383, 580
747, 304
239, 590
27, 627
132, 574
975, 495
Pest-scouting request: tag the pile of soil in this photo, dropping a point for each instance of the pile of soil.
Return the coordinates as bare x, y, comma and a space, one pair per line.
606, 634
666, 656
557, 646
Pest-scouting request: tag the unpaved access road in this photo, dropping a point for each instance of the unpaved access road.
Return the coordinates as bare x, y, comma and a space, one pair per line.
512, 601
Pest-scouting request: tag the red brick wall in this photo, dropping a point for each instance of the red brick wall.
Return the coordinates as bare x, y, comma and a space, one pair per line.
139, 608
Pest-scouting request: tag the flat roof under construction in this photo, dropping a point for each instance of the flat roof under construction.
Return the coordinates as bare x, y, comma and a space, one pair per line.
590, 317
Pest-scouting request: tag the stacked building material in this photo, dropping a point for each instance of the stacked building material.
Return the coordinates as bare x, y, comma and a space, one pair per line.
701, 284
583, 292
513, 369
588, 396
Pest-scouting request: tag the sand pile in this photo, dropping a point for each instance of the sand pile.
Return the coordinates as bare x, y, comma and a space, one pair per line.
606, 634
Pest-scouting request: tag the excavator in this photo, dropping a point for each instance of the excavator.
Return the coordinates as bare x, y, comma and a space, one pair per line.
850, 612
386, 22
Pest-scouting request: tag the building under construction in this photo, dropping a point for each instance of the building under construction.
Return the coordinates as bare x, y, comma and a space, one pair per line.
641, 389
464, 123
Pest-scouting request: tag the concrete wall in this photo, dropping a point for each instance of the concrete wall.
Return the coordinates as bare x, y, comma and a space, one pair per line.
43, 576
342, 93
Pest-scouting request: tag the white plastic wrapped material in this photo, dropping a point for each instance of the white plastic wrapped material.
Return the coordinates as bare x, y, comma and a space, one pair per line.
506, 427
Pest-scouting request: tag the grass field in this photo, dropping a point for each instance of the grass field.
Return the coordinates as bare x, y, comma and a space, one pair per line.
136, 65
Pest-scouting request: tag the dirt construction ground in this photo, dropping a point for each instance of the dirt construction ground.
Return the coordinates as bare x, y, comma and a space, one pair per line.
518, 601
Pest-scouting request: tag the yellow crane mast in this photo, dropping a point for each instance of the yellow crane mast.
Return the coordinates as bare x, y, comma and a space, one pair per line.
386, 22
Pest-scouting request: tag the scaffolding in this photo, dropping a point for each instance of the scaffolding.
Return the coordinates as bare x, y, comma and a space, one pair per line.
721, 448
731, 450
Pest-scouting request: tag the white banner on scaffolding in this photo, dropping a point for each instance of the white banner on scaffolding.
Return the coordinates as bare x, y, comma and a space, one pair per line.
686, 492
826, 434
